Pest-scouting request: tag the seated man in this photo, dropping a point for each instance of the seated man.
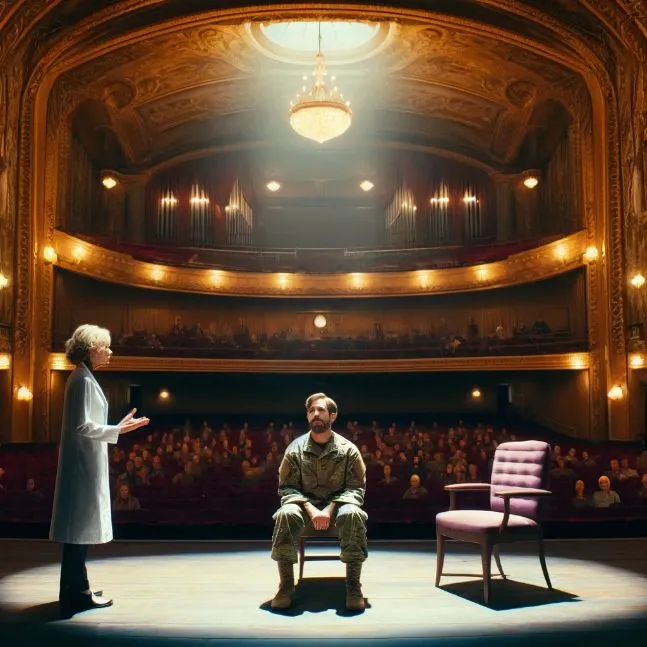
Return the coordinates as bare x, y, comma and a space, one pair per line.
322, 480
605, 497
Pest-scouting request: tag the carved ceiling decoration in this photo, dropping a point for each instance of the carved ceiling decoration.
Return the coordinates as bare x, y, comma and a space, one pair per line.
475, 91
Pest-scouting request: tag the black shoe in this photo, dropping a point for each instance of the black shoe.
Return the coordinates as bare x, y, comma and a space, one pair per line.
82, 602
61, 596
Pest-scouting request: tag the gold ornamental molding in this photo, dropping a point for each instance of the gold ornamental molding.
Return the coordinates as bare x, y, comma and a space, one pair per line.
123, 363
96, 262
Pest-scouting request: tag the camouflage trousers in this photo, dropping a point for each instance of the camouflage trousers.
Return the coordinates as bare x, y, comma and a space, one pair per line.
291, 519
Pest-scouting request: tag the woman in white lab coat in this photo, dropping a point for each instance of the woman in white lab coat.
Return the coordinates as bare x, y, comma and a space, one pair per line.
82, 513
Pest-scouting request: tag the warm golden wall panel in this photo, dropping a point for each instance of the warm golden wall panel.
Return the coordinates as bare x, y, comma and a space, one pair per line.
559, 401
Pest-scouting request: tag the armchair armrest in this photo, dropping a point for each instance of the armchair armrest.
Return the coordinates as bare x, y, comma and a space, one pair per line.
516, 492
457, 487
521, 492
464, 487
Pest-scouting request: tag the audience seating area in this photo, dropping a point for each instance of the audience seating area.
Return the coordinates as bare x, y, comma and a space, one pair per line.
195, 474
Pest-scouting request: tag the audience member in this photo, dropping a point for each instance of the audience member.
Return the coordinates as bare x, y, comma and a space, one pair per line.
605, 497
415, 491
580, 500
125, 500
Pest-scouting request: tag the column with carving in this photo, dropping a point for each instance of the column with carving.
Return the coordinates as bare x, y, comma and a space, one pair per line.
615, 355
593, 216
632, 100
12, 77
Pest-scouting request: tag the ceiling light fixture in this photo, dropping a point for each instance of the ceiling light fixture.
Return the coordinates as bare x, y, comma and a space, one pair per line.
273, 186
366, 185
320, 112
109, 182
320, 321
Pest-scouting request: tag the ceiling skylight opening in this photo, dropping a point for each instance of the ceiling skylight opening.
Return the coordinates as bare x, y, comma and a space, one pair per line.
342, 41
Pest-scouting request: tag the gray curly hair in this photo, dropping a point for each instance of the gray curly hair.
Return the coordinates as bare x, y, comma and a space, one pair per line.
83, 339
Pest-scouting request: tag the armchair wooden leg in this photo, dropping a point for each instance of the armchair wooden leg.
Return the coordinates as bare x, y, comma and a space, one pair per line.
440, 556
486, 559
542, 561
497, 559
302, 551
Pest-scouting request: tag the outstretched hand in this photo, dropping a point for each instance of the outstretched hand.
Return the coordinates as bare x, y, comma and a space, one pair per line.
130, 423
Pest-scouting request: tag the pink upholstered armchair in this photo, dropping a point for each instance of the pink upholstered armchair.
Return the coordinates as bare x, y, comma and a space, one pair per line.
519, 475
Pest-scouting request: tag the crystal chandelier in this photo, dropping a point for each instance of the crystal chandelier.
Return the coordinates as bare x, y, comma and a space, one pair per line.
320, 112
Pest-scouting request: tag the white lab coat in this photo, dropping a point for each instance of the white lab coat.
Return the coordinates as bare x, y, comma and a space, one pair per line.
82, 512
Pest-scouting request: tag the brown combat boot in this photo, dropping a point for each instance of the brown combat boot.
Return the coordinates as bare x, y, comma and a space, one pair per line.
354, 595
283, 597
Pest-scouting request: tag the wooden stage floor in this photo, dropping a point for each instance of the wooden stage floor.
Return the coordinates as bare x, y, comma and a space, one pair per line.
217, 593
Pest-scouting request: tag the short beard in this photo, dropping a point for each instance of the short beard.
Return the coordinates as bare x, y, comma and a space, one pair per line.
323, 430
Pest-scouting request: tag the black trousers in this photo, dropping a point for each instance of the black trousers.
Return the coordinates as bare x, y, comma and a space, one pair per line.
74, 574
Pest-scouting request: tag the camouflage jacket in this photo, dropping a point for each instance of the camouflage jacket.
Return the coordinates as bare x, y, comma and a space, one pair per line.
310, 472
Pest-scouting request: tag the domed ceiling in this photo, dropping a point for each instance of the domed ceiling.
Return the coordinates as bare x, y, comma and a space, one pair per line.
446, 87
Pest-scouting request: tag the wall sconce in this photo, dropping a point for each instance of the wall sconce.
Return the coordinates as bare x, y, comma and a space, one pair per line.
577, 363
283, 281
476, 394
560, 253
636, 360
24, 394
423, 278
482, 273
5, 361
157, 274
637, 280
530, 179
357, 280
164, 394
78, 253
4, 281
591, 254
320, 321
216, 278
109, 182
616, 393
50, 255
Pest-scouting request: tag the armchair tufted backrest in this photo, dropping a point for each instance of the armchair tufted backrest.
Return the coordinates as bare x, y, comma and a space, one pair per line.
520, 464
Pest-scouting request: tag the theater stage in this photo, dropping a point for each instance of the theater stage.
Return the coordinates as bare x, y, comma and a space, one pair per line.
217, 593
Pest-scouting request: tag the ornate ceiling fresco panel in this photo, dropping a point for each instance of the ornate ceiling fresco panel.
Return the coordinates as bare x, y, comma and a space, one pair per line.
197, 104
481, 90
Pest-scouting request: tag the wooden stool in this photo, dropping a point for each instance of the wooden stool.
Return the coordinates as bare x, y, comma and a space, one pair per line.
312, 536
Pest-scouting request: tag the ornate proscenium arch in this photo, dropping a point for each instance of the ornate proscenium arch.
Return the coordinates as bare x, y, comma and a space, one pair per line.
538, 34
